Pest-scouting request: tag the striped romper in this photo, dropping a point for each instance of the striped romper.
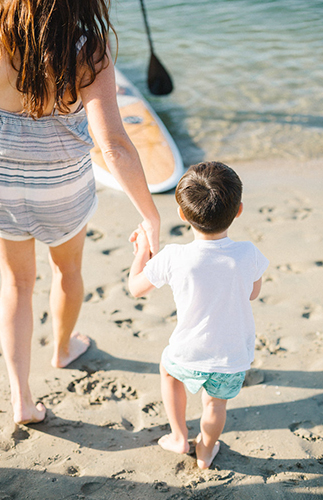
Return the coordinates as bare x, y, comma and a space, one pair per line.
47, 187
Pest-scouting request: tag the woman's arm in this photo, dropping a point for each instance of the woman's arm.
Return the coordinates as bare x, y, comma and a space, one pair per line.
100, 103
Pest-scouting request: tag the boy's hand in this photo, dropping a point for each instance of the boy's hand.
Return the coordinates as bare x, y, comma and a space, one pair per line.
139, 285
140, 241
152, 234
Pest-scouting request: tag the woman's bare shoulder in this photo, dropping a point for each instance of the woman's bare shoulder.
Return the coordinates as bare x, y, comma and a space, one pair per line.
10, 98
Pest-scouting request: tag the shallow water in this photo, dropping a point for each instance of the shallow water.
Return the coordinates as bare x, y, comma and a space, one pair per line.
248, 74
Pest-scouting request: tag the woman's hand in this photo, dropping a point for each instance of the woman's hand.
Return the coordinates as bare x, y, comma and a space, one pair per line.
140, 243
151, 231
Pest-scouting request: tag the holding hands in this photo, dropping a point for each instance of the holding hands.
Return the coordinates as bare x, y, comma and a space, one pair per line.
139, 285
140, 241
151, 236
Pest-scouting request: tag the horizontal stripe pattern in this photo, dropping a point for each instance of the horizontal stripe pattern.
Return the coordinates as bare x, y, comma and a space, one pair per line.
50, 207
47, 192
50, 138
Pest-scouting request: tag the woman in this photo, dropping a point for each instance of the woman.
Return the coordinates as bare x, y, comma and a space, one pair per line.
56, 77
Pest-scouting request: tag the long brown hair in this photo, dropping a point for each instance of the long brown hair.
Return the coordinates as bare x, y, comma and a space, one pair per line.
44, 34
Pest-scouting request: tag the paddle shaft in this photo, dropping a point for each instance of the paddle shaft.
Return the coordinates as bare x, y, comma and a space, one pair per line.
159, 81
144, 13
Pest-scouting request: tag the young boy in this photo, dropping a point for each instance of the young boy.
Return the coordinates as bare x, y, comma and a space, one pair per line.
213, 280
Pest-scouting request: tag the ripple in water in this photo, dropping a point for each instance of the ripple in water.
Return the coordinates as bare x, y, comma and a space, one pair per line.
248, 74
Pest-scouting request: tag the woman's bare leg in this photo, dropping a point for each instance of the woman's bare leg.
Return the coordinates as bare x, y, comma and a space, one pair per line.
66, 298
174, 399
18, 274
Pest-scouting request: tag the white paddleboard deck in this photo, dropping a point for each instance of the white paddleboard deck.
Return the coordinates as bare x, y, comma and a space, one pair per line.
159, 155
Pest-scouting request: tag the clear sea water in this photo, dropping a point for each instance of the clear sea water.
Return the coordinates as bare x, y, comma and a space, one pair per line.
248, 74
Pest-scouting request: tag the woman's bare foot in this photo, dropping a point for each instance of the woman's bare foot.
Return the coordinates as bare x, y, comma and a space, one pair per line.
32, 415
78, 345
205, 457
168, 442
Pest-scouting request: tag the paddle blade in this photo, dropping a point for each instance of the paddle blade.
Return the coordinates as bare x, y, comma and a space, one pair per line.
159, 81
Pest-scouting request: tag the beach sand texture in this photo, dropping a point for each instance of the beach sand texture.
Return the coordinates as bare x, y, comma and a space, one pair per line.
104, 412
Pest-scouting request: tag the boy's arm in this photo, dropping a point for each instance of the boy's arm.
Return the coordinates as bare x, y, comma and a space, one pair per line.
139, 285
256, 289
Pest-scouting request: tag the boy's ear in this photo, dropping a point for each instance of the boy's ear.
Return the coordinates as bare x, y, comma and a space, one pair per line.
181, 215
240, 210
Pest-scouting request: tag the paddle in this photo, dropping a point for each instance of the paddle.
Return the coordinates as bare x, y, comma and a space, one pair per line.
159, 81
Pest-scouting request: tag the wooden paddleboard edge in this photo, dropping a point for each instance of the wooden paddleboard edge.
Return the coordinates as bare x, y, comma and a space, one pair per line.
104, 177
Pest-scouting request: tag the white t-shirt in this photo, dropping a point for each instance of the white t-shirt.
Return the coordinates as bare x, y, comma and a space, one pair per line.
212, 281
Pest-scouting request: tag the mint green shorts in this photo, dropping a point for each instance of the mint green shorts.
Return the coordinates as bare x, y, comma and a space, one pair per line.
217, 385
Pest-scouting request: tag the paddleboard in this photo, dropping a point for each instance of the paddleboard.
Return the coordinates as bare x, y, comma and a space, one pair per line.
159, 155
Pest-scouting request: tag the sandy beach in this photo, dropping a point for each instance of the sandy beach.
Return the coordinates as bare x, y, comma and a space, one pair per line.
104, 412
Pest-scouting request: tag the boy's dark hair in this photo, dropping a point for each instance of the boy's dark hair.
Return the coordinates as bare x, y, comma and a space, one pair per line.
209, 195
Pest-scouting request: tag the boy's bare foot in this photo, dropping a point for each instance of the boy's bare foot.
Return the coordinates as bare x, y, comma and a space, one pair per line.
205, 458
32, 415
168, 442
78, 345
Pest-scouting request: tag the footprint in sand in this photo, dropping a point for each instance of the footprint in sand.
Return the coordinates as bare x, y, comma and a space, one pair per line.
269, 299
126, 324
298, 208
53, 398
73, 471
287, 268
301, 213
108, 251
94, 234
123, 474
172, 316
99, 388
6, 445
294, 209
92, 487
98, 294
268, 211
312, 311
292, 268
126, 292
179, 230
152, 409
307, 430
299, 267
139, 334
123, 323
254, 235
191, 476
44, 317
272, 346
161, 486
